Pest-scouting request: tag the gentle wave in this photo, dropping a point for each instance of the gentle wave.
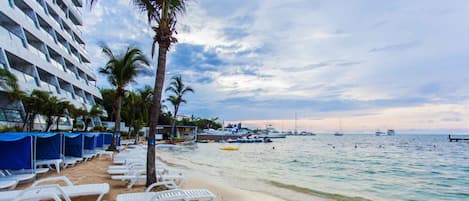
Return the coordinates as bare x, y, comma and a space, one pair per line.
321, 194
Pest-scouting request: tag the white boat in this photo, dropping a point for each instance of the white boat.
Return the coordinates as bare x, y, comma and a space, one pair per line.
270, 132
379, 133
338, 134
391, 132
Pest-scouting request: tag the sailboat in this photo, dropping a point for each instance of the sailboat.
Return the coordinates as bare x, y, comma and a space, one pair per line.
340, 126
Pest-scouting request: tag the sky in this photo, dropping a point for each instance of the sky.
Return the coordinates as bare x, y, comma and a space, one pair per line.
355, 66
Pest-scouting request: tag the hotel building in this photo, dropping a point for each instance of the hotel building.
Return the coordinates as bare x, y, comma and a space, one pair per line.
42, 44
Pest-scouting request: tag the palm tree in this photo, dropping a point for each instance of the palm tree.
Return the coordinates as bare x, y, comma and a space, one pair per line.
164, 14
178, 88
54, 107
121, 70
94, 112
8, 81
34, 105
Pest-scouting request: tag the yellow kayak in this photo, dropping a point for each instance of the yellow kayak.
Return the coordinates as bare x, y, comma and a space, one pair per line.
229, 148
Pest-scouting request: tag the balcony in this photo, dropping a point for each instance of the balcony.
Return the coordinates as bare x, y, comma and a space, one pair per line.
37, 52
23, 77
10, 38
49, 87
57, 65
67, 94
48, 34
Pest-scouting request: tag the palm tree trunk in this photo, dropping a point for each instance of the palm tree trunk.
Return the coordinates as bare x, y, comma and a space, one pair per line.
173, 127
117, 125
26, 120
57, 128
155, 111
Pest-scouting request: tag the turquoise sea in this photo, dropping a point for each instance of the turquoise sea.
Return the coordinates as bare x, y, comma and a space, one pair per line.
401, 167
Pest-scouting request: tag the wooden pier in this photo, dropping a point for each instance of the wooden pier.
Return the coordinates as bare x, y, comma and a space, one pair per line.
456, 139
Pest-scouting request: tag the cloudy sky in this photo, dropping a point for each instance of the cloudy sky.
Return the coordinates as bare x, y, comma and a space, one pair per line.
368, 64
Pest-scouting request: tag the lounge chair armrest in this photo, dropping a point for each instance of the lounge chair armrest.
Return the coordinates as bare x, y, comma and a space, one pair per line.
61, 178
37, 192
168, 184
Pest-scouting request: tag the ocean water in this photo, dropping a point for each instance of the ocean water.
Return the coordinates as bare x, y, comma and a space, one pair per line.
401, 167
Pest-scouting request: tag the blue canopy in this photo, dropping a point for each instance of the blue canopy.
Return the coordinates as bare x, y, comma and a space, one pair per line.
48, 146
16, 151
90, 142
73, 144
107, 138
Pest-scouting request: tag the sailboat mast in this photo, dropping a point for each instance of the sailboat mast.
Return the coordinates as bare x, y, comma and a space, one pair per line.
296, 131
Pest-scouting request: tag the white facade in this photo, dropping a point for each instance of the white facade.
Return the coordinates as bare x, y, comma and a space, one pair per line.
42, 44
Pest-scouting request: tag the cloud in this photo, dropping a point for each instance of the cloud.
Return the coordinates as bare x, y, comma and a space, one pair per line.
395, 47
388, 61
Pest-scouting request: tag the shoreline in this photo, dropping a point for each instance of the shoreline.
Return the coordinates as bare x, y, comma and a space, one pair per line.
233, 187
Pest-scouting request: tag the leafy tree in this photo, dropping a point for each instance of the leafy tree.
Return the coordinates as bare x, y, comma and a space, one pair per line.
34, 105
54, 107
8, 80
109, 96
95, 111
121, 70
178, 89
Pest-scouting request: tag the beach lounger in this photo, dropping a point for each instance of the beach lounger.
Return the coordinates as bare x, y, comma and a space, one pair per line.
50, 162
28, 171
69, 189
21, 178
176, 194
70, 161
8, 184
46, 192
104, 152
139, 177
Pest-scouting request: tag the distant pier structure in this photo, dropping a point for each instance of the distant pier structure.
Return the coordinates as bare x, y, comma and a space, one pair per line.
456, 139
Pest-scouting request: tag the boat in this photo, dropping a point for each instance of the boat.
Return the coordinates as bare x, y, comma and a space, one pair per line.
379, 133
391, 132
270, 132
246, 139
229, 148
340, 126
338, 134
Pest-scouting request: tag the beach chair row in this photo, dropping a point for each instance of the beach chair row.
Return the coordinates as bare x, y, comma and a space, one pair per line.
26, 154
130, 167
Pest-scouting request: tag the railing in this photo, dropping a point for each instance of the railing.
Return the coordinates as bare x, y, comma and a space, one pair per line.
70, 72
23, 77
27, 17
51, 88
76, 58
55, 21
63, 47
67, 94
10, 115
11, 38
48, 34
57, 64
37, 52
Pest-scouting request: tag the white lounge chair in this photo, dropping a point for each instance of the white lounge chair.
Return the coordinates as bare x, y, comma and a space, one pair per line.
46, 192
69, 189
28, 171
50, 162
70, 161
8, 183
173, 195
138, 177
78, 190
5, 174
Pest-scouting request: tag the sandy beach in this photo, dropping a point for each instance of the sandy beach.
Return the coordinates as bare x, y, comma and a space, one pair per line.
94, 171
